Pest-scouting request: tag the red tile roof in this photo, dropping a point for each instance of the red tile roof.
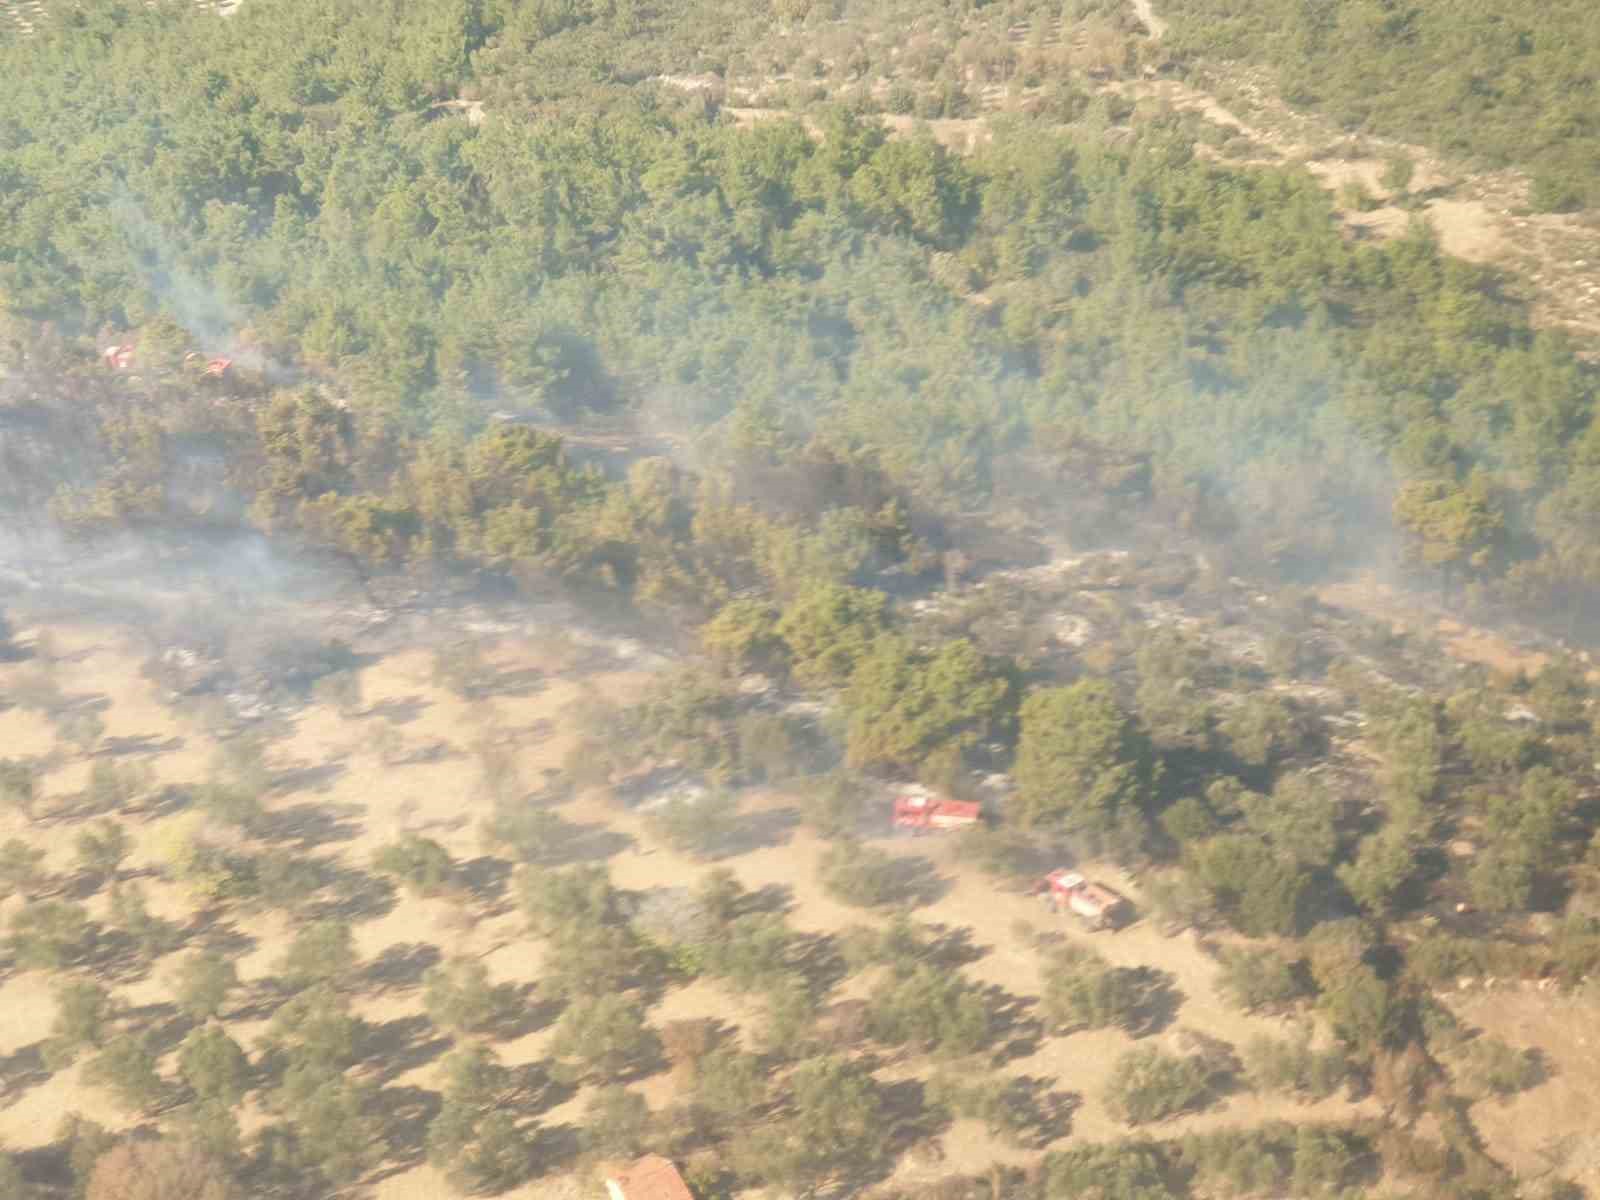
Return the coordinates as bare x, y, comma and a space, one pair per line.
652, 1178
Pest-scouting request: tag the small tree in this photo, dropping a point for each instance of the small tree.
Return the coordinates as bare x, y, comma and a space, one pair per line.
321, 953
83, 1010
50, 934
202, 984
114, 786
697, 826
422, 864
1255, 979
18, 785
614, 1122
19, 869
459, 997
1083, 991
750, 952
834, 805
932, 1007
730, 1085
102, 849
159, 1170
340, 690
1149, 1084
214, 1066
604, 1036
127, 1068
317, 1029
474, 1139
82, 727
152, 936
11, 1181
835, 1132
85, 1142
859, 874
334, 1130
230, 802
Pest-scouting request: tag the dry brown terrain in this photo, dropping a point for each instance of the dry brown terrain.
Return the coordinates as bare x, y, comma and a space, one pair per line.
374, 802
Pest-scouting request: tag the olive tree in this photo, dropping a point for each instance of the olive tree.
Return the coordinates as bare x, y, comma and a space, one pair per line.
202, 984
604, 1036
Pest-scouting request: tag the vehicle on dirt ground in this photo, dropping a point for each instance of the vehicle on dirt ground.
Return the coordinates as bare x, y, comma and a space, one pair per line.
1096, 905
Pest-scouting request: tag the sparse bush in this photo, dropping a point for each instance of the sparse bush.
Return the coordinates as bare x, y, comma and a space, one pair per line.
749, 952
459, 997
931, 1007
730, 1085
1148, 1085
698, 826
214, 1066
859, 874
82, 727
115, 786
83, 1012
202, 984
340, 690
1257, 979
102, 849
333, 1130
1294, 1067
833, 805
422, 864
531, 834
166, 1169
231, 803
1083, 991
474, 1139
604, 1036
50, 934
321, 953
280, 879
1398, 171
19, 869
1489, 1067
614, 1122
127, 1068
151, 935
19, 787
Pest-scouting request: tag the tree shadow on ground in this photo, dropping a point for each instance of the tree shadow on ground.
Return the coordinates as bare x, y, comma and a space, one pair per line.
486, 877
396, 711
914, 880
556, 1147
774, 898
817, 958
357, 896
1159, 1000
400, 967
161, 1024
952, 946
311, 825
1044, 1112
1017, 1031
538, 1091
309, 778
909, 1116
534, 1012
405, 1113
402, 1045
20, 1071
142, 743
761, 830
